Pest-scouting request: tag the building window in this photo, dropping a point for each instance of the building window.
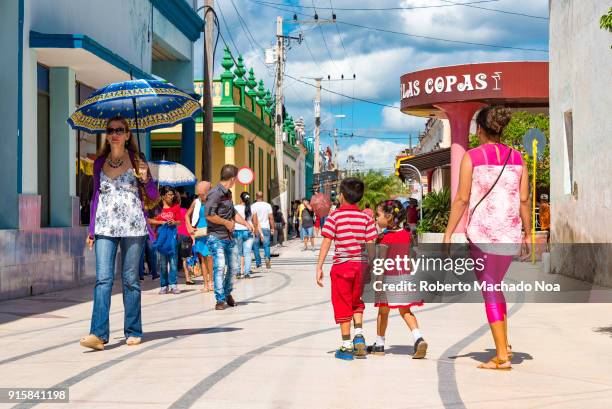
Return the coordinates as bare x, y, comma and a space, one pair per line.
169, 153
252, 166
86, 150
292, 191
269, 174
43, 136
568, 182
260, 169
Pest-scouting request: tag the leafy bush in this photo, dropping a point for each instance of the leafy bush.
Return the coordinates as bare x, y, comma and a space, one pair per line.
436, 209
520, 123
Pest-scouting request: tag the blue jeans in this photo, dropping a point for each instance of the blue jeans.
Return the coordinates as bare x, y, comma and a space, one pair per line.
244, 243
106, 251
224, 253
266, 246
150, 255
167, 277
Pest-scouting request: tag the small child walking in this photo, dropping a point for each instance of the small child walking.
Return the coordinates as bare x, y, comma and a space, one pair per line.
390, 219
350, 229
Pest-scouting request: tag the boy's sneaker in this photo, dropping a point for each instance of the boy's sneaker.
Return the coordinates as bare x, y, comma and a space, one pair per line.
420, 349
238, 276
175, 290
268, 264
376, 349
344, 353
163, 290
359, 347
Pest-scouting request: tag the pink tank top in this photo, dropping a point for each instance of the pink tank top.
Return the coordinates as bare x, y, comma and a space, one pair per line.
497, 219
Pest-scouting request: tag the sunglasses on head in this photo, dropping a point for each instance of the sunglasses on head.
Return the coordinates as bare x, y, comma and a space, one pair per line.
110, 131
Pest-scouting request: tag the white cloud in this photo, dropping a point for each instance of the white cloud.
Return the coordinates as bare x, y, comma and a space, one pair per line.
374, 153
396, 121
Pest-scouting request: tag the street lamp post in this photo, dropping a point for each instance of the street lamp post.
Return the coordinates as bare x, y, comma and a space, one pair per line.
415, 169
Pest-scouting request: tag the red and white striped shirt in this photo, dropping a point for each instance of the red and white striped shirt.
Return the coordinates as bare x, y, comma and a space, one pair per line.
350, 228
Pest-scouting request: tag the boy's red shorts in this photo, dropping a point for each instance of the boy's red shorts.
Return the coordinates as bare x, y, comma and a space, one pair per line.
346, 289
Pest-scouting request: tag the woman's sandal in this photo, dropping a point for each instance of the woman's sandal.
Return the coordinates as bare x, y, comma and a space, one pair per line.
510, 353
93, 342
190, 282
499, 364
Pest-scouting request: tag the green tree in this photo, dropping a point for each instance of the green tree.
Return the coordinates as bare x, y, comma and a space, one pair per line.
379, 187
520, 123
605, 22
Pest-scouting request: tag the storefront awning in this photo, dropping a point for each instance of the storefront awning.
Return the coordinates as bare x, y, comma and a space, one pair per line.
423, 162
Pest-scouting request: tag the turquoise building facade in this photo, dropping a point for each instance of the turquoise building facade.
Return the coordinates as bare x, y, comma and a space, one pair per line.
54, 54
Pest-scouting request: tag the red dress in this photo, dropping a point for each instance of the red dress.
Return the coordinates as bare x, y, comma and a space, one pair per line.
398, 243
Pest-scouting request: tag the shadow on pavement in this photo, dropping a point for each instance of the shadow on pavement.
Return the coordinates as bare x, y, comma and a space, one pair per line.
171, 333
485, 356
399, 350
604, 330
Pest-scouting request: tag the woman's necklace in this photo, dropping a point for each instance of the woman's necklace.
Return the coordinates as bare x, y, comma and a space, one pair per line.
114, 163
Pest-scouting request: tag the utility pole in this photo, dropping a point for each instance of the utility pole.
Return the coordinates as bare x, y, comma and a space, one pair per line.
278, 117
207, 123
317, 132
336, 164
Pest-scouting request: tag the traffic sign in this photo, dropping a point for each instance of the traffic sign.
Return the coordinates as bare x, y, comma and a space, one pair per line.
531, 135
245, 175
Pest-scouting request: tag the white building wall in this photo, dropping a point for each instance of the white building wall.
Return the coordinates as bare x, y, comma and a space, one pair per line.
121, 26
581, 83
438, 133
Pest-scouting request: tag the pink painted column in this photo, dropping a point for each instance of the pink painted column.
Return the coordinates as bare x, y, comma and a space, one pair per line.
459, 116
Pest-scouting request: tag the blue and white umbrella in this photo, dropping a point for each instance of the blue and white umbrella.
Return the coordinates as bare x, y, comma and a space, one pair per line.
171, 173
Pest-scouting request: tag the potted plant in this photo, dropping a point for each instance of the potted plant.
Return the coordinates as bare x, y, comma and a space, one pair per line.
436, 209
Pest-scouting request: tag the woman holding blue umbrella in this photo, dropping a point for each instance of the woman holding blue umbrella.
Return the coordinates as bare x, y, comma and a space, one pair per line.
122, 189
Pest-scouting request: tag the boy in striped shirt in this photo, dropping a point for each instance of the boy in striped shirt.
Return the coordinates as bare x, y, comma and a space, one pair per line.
350, 229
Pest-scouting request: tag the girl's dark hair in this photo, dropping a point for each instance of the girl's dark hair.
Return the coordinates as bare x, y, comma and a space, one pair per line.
246, 199
165, 189
395, 209
493, 120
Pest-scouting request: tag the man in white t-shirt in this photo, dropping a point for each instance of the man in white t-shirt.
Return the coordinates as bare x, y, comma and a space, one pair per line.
265, 229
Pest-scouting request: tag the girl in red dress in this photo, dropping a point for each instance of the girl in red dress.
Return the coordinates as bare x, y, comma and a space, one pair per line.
395, 241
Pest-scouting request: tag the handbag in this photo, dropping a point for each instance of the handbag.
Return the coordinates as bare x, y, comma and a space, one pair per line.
200, 231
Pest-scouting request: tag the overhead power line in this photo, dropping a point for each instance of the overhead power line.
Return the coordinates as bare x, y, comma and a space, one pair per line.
411, 34
396, 8
343, 95
442, 39
452, 3
227, 28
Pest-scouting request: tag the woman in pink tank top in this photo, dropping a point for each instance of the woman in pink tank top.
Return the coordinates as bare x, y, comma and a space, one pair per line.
494, 189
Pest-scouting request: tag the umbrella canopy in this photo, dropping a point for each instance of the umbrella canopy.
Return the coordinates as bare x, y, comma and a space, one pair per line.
171, 173
144, 104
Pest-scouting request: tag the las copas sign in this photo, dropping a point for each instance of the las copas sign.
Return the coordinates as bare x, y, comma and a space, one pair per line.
452, 83
517, 82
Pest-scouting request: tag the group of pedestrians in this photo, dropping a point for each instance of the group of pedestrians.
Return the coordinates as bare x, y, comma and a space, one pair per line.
125, 194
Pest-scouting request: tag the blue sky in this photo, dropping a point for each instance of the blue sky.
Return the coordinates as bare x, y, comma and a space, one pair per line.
377, 59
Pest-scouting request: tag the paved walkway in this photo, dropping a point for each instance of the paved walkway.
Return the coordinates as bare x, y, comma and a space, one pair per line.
275, 350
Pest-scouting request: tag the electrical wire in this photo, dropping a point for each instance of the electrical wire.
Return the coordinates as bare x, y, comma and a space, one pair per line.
442, 39
452, 3
343, 95
410, 34
325, 43
227, 29
245, 27
379, 8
